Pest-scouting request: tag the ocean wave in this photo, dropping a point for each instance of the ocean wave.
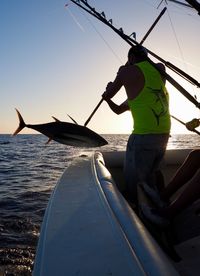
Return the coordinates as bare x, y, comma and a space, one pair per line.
29, 172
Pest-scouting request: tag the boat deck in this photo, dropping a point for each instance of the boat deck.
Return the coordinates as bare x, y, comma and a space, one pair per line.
186, 226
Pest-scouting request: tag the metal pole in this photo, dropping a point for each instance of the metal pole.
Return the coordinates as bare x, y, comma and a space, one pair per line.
153, 25
93, 112
144, 38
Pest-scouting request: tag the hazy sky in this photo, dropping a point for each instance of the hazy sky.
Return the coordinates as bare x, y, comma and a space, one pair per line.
58, 61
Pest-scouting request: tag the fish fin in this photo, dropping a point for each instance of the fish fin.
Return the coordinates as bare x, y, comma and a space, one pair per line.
21, 123
50, 139
72, 119
55, 119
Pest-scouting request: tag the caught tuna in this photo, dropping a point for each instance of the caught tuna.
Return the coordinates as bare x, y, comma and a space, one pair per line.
65, 133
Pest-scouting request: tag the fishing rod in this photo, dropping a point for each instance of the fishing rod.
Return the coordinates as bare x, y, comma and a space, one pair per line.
101, 16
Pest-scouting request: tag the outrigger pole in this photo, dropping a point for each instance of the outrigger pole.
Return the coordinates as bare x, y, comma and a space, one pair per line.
129, 40
181, 3
144, 38
132, 42
194, 4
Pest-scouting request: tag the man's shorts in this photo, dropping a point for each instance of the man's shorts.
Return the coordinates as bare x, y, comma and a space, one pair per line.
143, 156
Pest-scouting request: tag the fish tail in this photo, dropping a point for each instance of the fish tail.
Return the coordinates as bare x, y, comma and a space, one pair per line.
21, 123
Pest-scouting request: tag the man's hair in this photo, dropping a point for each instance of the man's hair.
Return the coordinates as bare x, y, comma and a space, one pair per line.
138, 51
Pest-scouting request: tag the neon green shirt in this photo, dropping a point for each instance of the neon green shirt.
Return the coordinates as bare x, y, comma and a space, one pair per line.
150, 109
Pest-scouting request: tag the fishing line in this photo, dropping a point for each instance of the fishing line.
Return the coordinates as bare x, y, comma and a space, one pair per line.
180, 49
104, 40
184, 64
74, 18
149, 3
176, 38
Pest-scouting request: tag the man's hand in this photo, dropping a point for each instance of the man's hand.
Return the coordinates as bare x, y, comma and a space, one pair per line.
105, 95
109, 85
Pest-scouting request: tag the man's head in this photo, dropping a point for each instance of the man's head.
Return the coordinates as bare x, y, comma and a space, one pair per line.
136, 54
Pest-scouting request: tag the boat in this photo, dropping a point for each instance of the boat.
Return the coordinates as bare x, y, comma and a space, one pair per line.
90, 228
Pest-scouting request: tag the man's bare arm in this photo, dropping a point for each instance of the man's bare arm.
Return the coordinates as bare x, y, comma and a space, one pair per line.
118, 109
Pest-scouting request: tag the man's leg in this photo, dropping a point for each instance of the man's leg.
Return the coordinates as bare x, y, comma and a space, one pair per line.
183, 175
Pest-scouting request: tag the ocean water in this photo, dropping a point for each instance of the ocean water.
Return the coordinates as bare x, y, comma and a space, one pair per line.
29, 170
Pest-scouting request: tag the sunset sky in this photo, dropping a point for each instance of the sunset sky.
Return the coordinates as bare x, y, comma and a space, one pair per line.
57, 60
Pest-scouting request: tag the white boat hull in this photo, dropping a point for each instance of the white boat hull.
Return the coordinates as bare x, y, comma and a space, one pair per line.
90, 229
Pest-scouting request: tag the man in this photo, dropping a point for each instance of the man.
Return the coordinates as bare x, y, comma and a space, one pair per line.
147, 99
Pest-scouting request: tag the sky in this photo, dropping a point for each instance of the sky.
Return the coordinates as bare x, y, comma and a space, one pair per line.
57, 60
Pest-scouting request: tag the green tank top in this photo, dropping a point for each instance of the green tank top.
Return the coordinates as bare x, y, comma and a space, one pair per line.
150, 109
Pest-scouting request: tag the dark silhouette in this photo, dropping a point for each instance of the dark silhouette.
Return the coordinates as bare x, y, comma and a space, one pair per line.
147, 99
